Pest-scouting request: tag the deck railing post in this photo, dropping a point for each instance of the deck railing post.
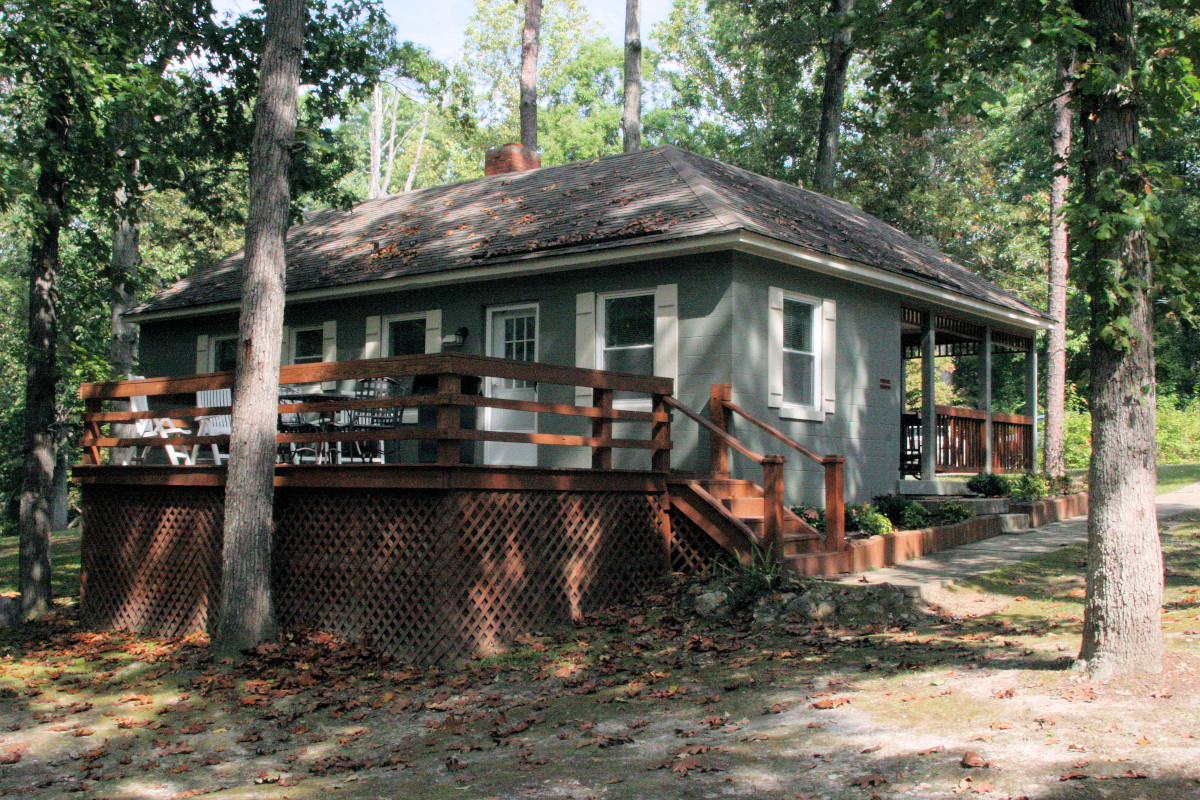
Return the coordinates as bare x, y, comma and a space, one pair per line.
772, 466
602, 428
91, 407
718, 450
835, 502
449, 420
660, 432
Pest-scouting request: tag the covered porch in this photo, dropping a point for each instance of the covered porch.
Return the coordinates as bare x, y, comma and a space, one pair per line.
970, 439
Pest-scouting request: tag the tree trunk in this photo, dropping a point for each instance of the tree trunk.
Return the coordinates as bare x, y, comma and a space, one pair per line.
126, 260
60, 495
1056, 345
1122, 631
529, 66
412, 170
247, 615
33, 561
631, 116
833, 94
375, 141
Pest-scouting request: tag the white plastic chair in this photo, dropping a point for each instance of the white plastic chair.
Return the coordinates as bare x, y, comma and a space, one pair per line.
215, 424
159, 428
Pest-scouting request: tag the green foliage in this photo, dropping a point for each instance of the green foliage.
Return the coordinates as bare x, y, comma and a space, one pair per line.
745, 584
865, 519
1177, 434
950, 512
1030, 486
989, 484
813, 515
914, 516
892, 506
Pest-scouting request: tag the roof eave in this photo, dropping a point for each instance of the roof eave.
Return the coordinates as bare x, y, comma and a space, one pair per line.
735, 240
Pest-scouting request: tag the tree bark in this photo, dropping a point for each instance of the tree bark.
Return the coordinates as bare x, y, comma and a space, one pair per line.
631, 116
529, 67
33, 559
125, 261
1056, 343
247, 615
375, 141
1122, 630
412, 170
833, 95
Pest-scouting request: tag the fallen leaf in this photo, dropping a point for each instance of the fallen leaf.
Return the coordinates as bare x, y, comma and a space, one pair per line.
830, 702
972, 760
930, 750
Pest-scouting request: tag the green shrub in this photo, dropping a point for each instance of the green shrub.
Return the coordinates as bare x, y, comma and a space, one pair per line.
813, 515
867, 520
1177, 436
989, 484
892, 506
950, 512
915, 516
1062, 484
1030, 486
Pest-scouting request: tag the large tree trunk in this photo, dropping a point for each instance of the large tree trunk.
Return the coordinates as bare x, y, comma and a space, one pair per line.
833, 95
247, 615
1056, 349
125, 261
33, 560
1122, 630
529, 65
631, 116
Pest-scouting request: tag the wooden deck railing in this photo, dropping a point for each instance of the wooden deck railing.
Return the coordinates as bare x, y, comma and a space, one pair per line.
962, 441
721, 441
175, 398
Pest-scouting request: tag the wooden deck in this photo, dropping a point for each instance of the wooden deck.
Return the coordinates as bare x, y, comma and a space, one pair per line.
426, 560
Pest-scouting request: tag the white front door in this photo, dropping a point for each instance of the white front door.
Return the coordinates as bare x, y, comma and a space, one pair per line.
511, 334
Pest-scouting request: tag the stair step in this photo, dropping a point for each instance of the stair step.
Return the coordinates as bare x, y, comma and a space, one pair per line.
729, 489
744, 506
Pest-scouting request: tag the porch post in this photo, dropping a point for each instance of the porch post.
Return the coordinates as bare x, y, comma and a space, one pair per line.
985, 399
928, 404
1031, 399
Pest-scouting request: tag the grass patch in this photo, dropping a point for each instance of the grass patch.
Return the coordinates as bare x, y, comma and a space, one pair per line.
1176, 476
64, 563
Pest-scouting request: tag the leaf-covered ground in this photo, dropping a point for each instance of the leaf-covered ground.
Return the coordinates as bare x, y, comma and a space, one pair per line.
641, 702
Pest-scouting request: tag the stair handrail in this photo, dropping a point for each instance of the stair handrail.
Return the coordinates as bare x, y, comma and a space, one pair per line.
772, 467
834, 465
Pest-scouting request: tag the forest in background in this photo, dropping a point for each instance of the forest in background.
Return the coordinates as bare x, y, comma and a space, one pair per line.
951, 146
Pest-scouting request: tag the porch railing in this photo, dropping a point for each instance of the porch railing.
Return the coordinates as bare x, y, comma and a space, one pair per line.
721, 442
175, 399
962, 441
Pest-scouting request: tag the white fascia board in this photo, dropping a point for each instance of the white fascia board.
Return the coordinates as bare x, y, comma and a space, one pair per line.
740, 241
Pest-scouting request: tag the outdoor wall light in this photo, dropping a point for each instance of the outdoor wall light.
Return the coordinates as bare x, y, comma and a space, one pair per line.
455, 339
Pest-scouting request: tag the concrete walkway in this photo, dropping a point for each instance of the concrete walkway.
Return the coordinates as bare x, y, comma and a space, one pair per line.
947, 566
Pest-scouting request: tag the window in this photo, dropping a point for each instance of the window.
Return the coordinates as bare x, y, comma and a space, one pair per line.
406, 337
801, 355
224, 353
627, 333
308, 345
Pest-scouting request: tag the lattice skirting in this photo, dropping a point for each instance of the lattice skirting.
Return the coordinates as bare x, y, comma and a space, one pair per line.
425, 575
692, 550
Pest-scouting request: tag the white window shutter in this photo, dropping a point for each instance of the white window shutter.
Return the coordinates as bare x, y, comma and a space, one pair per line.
329, 350
433, 331
585, 341
775, 348
666, 330
372, 340
202, 359
829, 356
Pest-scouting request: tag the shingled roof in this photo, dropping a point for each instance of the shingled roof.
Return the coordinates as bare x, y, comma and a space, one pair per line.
656, 195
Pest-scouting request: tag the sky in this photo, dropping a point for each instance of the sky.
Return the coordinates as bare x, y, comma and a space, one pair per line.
439, 24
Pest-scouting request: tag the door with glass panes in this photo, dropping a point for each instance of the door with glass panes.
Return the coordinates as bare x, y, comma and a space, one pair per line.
512, 334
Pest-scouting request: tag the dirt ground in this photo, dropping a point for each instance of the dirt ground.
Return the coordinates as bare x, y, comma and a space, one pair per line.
978, 700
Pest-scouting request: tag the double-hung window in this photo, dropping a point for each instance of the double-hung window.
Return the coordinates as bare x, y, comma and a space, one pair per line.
801, 355
627, 333
635, 331
308, 345
224, 353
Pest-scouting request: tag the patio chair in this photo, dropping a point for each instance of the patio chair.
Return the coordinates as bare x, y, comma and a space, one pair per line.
215, 424
373, 419
158, 428
297, 422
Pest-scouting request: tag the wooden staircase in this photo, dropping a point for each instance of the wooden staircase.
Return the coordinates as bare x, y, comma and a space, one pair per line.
743, 516
733, 513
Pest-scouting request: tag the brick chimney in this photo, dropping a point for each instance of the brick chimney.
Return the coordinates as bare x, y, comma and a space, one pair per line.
509, 158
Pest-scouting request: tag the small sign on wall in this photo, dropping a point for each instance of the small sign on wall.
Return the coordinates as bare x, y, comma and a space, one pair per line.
885, 384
